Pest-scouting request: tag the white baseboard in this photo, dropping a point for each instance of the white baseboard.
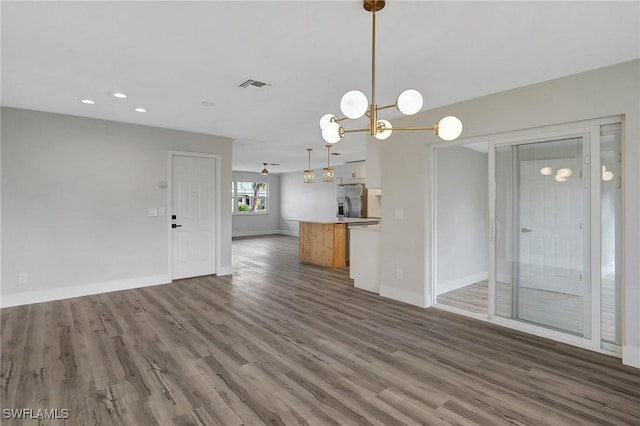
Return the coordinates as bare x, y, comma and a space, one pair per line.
225, 270
402, 295
38, 296
461, 282
631, 356
254, 233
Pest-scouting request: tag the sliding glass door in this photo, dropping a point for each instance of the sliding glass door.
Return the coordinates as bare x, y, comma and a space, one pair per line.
554, 237
542, 234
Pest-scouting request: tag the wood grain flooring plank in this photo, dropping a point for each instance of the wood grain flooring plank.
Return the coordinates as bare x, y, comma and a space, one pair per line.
281, 342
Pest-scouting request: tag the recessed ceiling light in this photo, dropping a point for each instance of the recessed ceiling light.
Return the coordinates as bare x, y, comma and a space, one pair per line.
119, 95
87, 101
207, 104
141, 110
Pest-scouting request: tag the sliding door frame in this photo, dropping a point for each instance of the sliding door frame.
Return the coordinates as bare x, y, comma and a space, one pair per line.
591, 155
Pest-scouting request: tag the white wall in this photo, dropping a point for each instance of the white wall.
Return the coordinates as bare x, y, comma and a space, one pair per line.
259, 224
75, 194
600, 93
462, 217
299, 200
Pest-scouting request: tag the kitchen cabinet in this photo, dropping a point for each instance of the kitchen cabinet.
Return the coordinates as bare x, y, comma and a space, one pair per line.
351, 172
364, 265
325, 243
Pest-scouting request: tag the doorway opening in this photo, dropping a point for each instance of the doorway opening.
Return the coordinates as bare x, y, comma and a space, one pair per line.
550, 236
461, 233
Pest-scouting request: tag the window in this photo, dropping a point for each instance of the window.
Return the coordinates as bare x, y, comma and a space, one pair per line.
249, 197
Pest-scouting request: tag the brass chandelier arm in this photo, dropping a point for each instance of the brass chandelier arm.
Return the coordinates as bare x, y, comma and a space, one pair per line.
414, 128
386, 106
356, 130
337, 120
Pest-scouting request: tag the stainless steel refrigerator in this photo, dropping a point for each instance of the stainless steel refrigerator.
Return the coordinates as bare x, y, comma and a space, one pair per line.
352, 200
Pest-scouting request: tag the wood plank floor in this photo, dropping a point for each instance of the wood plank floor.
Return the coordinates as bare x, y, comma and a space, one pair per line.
552, 309
286, 343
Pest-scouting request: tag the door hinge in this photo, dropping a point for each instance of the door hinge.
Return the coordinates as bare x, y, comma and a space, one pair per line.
580, 277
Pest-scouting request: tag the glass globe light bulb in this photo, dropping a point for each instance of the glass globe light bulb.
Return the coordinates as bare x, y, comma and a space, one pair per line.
607, 175
331, 132
326, 119
449, 128
409, 102
564, 172
354, 104
546, 171
384, 134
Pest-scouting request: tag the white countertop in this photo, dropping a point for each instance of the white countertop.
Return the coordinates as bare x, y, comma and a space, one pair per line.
347, 220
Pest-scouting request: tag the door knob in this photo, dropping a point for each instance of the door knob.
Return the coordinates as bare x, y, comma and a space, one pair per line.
525, 230
173, 225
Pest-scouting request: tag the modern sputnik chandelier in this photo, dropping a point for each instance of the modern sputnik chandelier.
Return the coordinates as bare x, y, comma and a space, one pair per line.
354, 104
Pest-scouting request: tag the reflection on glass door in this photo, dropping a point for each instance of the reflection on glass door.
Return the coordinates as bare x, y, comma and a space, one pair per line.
610, 232
542, 224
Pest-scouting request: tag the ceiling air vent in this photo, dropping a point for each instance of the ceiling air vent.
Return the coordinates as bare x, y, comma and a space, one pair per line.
253, 83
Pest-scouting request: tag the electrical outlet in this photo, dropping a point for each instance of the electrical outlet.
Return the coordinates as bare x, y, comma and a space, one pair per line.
161, 211
399, 214
399, 273
22, 277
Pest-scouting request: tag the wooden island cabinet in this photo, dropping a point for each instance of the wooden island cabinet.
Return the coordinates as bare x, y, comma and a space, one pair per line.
326, 243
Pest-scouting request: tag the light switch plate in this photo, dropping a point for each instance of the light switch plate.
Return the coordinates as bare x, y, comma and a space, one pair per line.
399, 214
152, 212
161, 211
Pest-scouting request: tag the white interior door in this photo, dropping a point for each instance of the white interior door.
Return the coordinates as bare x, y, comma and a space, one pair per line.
193, 205
551, 225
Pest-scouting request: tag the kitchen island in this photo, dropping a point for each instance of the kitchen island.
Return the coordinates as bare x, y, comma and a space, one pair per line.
326, 242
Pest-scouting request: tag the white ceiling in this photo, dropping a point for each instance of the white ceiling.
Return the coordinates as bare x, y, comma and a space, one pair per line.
171, 56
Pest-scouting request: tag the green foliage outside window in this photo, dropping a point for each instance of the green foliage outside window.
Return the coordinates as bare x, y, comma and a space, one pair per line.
249, 197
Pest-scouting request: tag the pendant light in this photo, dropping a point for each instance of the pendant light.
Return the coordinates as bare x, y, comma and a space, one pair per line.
354, 104
265, 171
309, 174
327, 172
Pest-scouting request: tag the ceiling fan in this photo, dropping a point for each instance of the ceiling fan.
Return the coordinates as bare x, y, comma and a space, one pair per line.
264, 170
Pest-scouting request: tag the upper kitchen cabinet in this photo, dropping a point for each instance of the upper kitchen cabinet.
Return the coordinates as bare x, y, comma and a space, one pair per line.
354, 172
374, 176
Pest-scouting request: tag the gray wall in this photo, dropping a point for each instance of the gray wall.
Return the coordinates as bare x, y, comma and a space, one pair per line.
75, 194
462, 217
600, 93
299, 200
259, 224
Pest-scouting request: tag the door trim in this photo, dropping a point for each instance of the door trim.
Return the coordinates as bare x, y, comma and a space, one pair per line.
218, 208
590, 127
